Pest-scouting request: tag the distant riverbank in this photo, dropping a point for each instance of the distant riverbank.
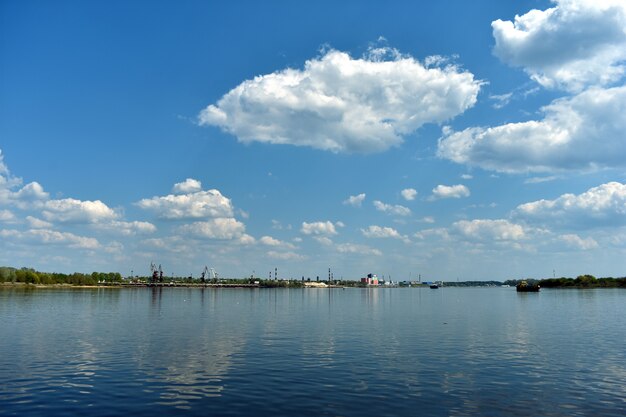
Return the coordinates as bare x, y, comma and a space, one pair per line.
582, 282
35, 279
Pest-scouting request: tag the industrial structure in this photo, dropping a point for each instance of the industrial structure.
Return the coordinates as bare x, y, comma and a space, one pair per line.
371, 279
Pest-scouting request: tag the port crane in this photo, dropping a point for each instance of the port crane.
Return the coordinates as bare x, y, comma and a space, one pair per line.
208, 274
157, 273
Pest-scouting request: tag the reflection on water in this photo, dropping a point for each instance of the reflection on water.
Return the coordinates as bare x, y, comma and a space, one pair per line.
310, 352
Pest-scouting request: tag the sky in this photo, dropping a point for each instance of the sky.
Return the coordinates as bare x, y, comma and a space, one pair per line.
447, 140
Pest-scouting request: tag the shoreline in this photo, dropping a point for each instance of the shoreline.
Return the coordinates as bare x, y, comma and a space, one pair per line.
24, 285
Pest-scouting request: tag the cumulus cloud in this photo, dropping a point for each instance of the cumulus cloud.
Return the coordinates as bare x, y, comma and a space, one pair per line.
270, 241
36, 223
220, 228
70, 210
383, 232
439, 232
6, 216
50, 237
246, 239
323, 240
172, 244
450, 191
318, 228
357, 249
600, 206
188, 186
575, 44
27, 196
127, 228
342, 104
489, 230
577, 242
409, 194
581, 132
355, 200
32, 192
285, 256
201, 204
396, 210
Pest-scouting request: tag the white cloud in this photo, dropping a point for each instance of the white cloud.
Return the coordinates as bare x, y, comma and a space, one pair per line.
70, 210
6, 215
397, 210
501, 100
279, 226
318, 228
428, 219
489, 230
172, 244
3, 168
285, 256
127, 228
246, 239
29, 195
357, 249
539, 180
467, 176
383, 232
270, 241
582, 132
439, 232
577, 242
50, 237
36, 223
570, 46
201, 204
450, 191
604, 205
323, 240
221, 228
115, 248
32, 192
341, 104
355, 200
409, 194
188, 186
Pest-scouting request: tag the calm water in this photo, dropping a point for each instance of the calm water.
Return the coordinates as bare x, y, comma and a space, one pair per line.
353, 352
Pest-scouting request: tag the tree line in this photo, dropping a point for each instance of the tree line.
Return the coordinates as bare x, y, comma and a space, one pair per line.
30, 276
581, 281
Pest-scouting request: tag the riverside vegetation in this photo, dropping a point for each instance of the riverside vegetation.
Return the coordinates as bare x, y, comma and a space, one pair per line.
582, 281
31, 276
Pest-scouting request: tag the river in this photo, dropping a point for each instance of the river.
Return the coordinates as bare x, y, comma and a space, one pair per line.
312, 352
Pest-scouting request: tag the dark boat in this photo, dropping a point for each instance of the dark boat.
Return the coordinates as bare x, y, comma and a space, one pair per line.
434, 286
526, 287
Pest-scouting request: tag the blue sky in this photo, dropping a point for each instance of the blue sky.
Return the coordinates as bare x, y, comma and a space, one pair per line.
452, 139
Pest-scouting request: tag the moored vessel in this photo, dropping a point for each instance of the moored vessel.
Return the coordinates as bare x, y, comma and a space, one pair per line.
526, 287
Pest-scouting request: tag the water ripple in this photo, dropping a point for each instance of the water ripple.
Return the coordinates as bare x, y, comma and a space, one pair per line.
385, 352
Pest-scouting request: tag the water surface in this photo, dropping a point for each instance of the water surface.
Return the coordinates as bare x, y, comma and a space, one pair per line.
287, 352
